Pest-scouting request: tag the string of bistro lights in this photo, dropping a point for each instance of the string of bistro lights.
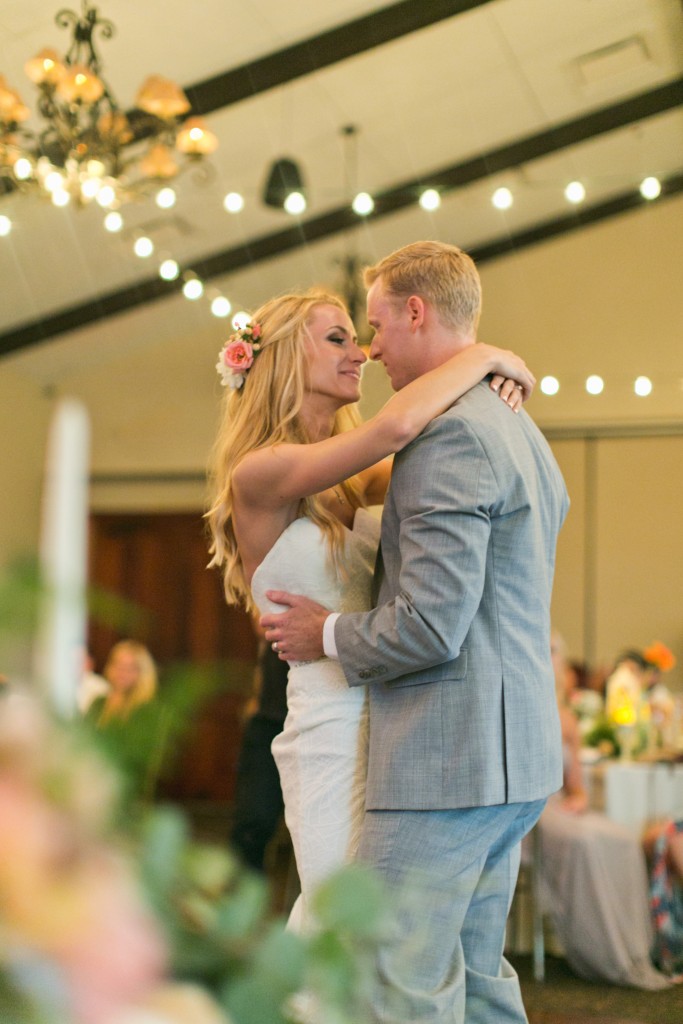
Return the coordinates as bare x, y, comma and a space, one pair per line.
79, 157
294, 203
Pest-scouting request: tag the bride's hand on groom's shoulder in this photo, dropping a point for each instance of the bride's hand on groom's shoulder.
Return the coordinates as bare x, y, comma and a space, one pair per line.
509, 390
296, 634
512, 378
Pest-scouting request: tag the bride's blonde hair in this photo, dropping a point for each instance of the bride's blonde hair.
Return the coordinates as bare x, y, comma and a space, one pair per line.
266, 411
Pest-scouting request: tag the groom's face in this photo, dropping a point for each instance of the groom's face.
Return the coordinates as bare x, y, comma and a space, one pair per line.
393, 343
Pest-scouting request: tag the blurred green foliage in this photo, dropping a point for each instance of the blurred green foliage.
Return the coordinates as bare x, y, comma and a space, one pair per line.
215, 914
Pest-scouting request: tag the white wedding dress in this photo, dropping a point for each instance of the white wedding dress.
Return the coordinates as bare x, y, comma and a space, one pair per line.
322, 752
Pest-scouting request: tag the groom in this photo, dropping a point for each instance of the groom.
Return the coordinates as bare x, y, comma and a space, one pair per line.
464, 731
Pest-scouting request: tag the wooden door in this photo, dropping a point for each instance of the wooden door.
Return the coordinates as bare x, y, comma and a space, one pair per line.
157, 563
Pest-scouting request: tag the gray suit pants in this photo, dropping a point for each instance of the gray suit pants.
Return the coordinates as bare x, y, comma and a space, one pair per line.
451, 875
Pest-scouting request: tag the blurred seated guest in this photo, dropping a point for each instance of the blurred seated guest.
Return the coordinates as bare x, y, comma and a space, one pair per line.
90, 686
258, 795
132, 677
594, 874
136, 729
578, 676
663, 843
585, 701
659, 697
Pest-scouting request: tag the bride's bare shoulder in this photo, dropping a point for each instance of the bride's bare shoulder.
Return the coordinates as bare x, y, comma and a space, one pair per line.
257, 475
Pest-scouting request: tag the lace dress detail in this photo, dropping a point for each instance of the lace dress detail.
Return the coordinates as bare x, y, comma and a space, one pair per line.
321, 753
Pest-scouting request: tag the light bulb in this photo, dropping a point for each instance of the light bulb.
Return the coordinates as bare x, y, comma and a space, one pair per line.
165, 198
106, 195
220, 306
575, 192
60, 197
650, 188
363, 204
550, 385
113, 221
430, 199
90, 187
143, 247
233, 202
502, 199
53, 180
193, 289
169, 270
642, 386
594, 384
295, 203
23, 169
240, 320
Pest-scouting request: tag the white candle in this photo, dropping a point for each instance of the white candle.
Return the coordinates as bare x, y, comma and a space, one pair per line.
63, 556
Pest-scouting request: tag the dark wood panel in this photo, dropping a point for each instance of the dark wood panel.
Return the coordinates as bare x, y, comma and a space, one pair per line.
157, 563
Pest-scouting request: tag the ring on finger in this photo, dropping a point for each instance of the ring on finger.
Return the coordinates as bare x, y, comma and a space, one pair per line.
274, 645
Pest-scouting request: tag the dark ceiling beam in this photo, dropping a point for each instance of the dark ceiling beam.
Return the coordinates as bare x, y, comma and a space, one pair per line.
321, 51
265, 247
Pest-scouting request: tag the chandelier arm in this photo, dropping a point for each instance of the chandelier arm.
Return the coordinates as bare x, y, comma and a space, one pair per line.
83, 28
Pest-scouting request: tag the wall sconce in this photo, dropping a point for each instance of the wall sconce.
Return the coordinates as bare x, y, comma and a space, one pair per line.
285, 187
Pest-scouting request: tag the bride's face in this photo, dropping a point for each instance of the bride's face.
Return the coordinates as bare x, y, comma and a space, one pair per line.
333, 358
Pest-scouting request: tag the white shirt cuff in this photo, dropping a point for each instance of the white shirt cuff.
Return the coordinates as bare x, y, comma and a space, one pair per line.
329, 644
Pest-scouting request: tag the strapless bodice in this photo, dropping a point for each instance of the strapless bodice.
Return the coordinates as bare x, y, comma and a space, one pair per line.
300, 563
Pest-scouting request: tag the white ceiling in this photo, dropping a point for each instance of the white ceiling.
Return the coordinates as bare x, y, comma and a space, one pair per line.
437, 97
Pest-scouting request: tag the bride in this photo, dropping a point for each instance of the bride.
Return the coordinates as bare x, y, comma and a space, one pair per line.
293, 469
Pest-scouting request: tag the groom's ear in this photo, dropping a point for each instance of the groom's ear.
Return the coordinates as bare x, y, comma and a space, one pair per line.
416, 311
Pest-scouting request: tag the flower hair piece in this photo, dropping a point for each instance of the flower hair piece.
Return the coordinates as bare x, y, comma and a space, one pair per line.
236, 357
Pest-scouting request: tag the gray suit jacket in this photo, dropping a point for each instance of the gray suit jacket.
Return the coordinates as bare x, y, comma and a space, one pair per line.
462, 697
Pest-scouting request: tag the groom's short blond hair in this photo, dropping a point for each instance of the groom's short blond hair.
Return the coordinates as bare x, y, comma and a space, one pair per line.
442, 274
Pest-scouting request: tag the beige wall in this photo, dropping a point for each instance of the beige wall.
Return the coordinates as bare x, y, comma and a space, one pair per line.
620, 559
568, 608
24, 413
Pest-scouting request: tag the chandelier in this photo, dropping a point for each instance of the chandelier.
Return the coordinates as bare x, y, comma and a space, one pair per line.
87, 148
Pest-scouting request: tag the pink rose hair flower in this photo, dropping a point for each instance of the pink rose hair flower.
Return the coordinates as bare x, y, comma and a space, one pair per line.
237, 355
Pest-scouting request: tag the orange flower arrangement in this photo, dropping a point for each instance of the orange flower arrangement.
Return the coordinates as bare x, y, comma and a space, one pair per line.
658, 654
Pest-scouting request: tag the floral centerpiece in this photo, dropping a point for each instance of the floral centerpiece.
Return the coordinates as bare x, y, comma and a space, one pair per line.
638, 709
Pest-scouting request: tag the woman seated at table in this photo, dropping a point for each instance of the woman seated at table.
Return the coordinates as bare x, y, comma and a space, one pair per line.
663, 844
594, 875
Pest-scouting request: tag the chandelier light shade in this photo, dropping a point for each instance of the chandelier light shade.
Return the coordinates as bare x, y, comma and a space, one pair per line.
87, 148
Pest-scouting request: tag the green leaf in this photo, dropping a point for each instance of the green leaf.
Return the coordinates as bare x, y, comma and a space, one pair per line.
252, 1001
210, 868
352, 900
281, 958
332, 968
164, 837
245, 908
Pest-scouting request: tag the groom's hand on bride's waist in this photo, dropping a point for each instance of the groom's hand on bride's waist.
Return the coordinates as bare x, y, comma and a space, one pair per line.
296, 634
